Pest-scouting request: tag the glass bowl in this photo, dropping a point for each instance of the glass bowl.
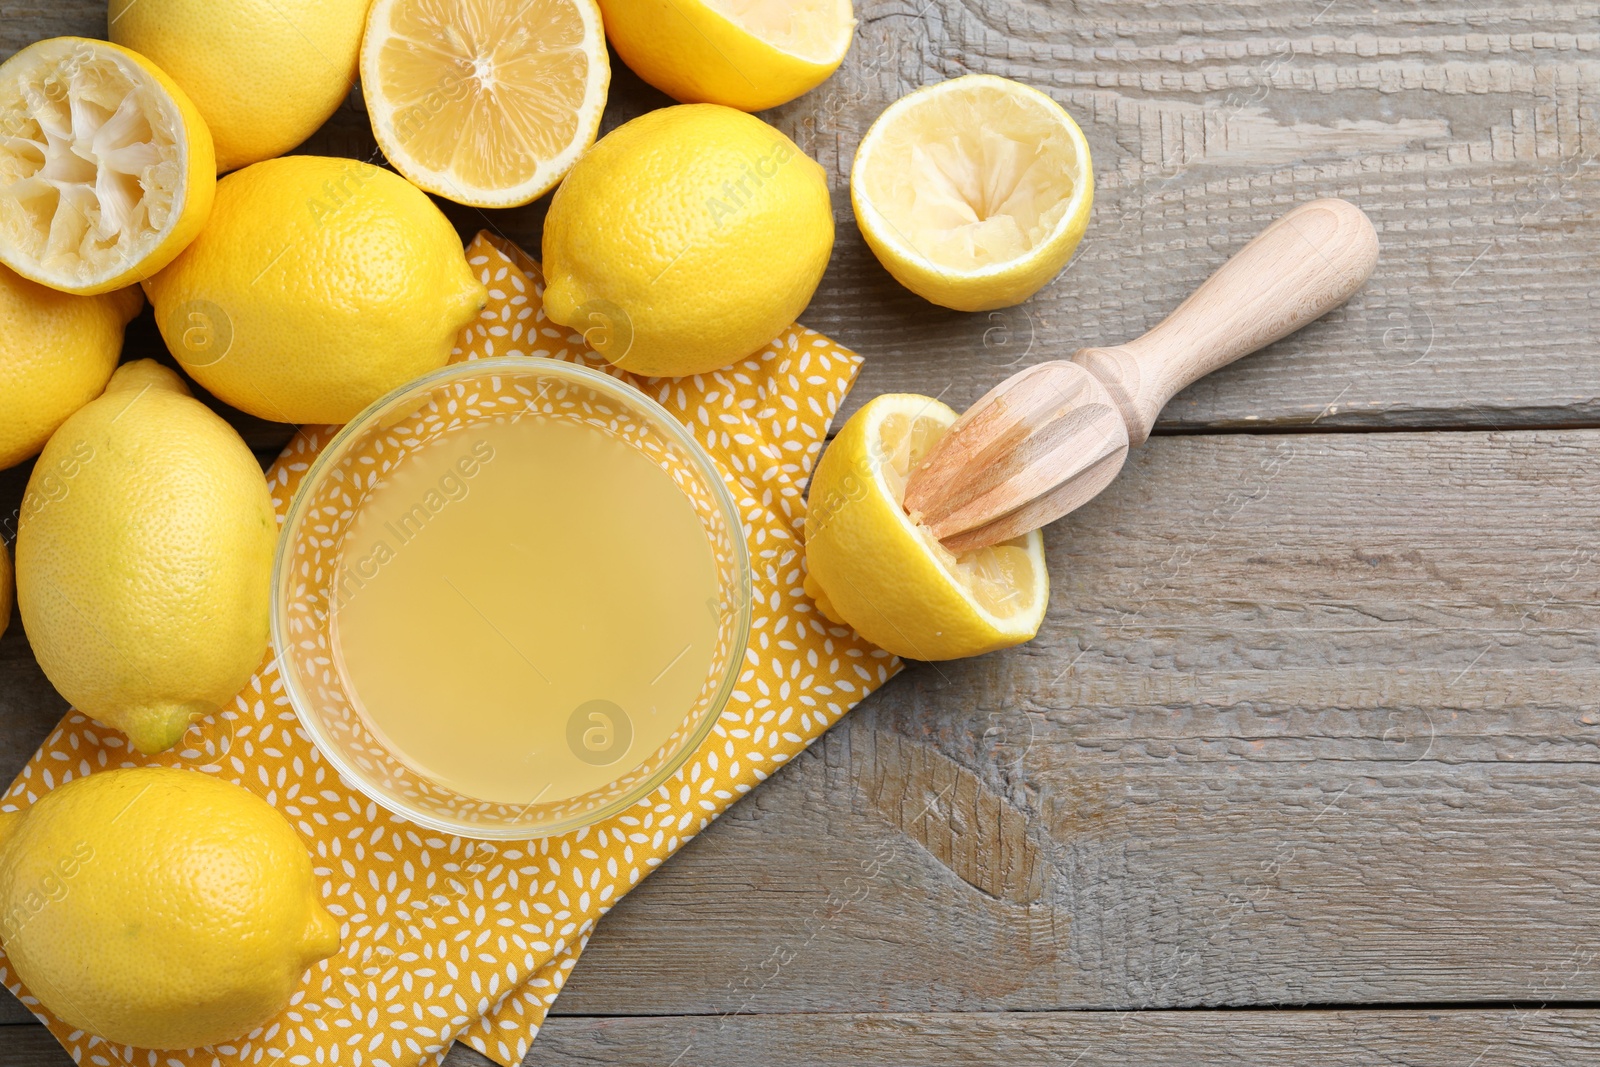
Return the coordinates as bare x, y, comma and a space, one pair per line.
306, 571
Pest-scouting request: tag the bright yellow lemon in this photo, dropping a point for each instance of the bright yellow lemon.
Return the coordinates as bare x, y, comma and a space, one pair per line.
57, 352
144, 557
264, 73
686, 239
107, 170
318, 286
159, 908
870, 567
489, 102
974, 192
748, 54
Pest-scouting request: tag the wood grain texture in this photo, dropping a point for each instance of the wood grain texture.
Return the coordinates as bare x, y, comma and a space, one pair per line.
1467, 129
1037, 446
1078, 1039
1040, 444
1312, 719
1307, 262
1529, 1037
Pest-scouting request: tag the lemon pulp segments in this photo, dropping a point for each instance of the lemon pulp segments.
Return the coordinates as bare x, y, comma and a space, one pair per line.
1000, 578
968, 180
974, 192
485, 103
870, 566
817, 31
98, 182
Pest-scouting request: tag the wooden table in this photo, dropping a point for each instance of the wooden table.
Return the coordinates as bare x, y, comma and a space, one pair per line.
1305, 764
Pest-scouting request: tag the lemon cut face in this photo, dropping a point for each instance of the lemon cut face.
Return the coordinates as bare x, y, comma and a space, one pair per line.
1002, 580
871, 567
974, 192
486, 103
106, 171
817, 31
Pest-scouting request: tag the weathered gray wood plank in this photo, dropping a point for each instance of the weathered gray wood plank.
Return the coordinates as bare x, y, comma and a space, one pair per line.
1467, 129
1084, 1039
1226, 883
1533, 1036
1313, 719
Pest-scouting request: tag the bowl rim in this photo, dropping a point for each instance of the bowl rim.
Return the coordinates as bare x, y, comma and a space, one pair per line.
340, 444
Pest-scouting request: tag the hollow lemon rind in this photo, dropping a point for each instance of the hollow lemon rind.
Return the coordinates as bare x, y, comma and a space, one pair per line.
193, 204
997, 285
877, 569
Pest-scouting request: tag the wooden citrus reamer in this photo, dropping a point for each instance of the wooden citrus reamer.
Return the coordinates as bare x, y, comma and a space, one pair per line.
1050, 437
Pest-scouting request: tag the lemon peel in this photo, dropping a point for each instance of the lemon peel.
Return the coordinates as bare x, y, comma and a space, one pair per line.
159, 908
871, 567
974, 192
107, 170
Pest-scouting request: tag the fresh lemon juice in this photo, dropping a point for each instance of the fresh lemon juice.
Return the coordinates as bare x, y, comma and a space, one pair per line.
525, 610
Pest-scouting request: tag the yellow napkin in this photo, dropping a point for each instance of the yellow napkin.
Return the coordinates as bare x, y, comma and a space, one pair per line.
449, 939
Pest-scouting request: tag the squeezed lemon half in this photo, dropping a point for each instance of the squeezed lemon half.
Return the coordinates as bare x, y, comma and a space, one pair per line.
870, 567
106, 168
973, 192
486, 103
748, 54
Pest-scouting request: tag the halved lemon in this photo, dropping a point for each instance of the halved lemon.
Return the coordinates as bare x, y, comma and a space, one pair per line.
485, 102
868, 566
973, 192
107, 170
748, 54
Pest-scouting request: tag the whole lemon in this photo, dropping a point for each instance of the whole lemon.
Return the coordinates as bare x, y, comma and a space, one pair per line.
686, 239
264, 73
159, 908
57, 352
144, 558
318, 286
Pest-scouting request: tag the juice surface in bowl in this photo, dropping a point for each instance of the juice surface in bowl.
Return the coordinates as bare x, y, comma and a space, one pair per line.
511, 598
536, 611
